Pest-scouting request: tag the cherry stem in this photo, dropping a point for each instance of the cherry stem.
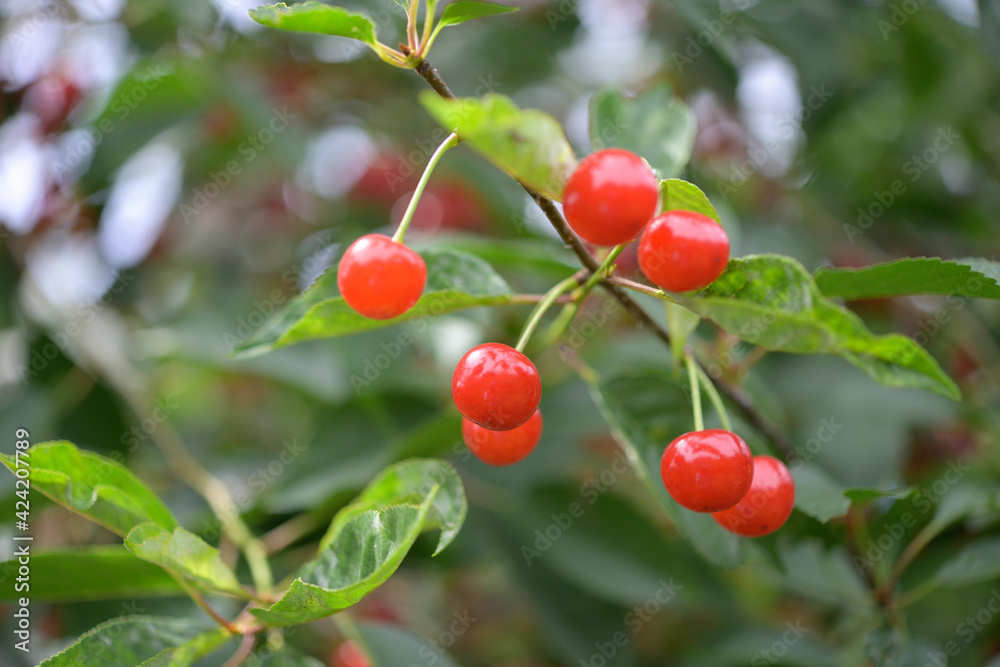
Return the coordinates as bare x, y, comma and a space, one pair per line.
699, 421
542, 307
570, 311
713, 395
411, 210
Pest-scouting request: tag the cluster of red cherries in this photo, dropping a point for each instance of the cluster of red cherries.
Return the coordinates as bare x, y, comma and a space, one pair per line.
611, 198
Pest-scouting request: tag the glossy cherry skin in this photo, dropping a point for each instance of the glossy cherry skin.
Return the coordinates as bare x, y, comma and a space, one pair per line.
766, 506
707, 471
610, 197
380, 278
496, 387
502, 448
681, 251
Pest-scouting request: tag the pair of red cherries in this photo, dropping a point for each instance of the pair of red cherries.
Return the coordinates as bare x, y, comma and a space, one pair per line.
714, 471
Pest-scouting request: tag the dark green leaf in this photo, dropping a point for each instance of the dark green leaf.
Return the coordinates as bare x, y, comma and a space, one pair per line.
131, 641
189, 651
913, 275
679, 195
771, 301
859, 495
285, 657
655, 125
528, 144
319, 18
817, 495
91, 573
364, 553
185, 554
645, 412
466, 10
100, 489
390, 646
978, 562
411, 481
455, 280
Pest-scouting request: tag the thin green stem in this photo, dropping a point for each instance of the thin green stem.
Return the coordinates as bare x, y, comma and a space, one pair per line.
411, 24
713, 395
199, 600
639, 287
542, 308
699, 421
569, 312
425, 41
451, 141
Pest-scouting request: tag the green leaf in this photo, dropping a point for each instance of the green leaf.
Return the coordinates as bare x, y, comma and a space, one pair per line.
466, 10
185, 554
913, 275
976, 563
527, 144
318, 18
681, 323
366, 551
189, 651
411, 481
390, 646
285, 657
771, 301
100, 489
91, 573
679, 195
132, 641
455, 280
645, 412
817, 495
654, 125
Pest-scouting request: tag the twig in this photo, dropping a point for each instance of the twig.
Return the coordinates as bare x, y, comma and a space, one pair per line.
243, 652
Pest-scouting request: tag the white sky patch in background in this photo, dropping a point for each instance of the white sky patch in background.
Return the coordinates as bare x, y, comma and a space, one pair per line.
770, 106
27, 48
68, 269
965, 12
23, 173
144, 192
97, 54
336, 160
611, 45
237, 14
99, 10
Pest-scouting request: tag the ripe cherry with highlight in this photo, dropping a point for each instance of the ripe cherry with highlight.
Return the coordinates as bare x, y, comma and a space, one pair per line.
502, 448
681, 251
380, 278
496, 387
766, 506
610, 197
707, 471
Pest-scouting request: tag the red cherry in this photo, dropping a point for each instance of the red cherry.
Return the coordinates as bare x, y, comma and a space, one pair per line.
496, 387
502, 448
707, 471
349, 654
610, 197
682, 251
766, 506
380, 278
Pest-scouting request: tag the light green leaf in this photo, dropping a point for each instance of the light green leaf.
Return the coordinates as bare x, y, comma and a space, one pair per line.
645, 412
466, 10
455, 280
185, 554
771, 301
285, 657
91, 573
100, 489
655, 125
681, 323
976, 563
319, 18
365, 552
411, 481
132, 641
975, 278
679, 195
817, 495
527, 144
189, 651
